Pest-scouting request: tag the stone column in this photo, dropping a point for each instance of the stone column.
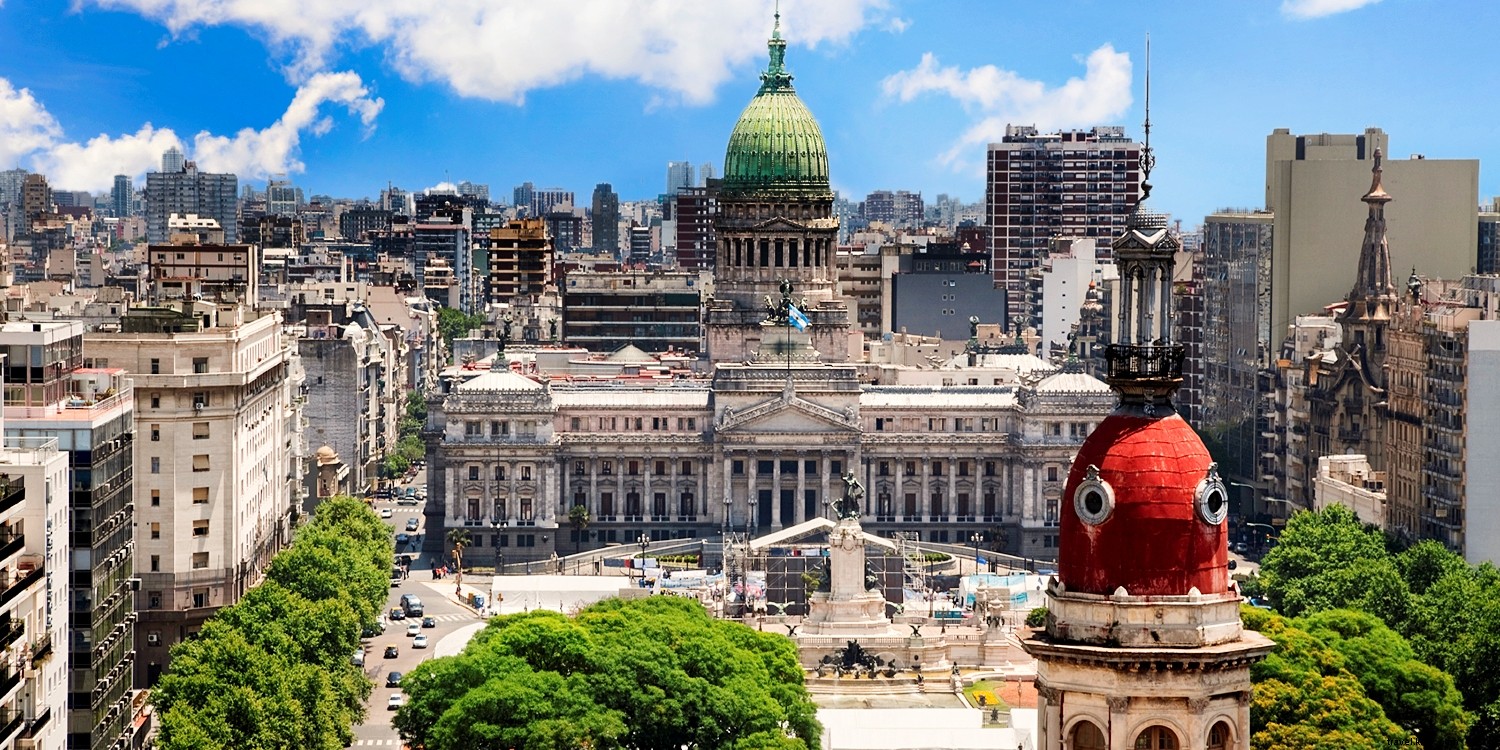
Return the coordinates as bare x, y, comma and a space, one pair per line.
752, 493
924, 497
1119, 721
799, 504
898, 501
728, 510
1050, 727
776, 490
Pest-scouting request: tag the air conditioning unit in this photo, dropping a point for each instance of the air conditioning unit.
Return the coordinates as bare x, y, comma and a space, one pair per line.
197, 406
153, 639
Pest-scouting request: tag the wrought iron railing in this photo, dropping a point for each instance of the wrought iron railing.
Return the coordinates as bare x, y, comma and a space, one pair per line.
1144, 362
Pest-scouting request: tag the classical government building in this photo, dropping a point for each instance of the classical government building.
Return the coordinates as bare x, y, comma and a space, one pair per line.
979, 444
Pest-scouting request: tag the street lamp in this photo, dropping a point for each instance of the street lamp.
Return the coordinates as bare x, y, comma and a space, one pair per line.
975, 539
644, 542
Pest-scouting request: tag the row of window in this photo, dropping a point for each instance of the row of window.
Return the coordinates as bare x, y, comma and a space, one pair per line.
500, 428
941, 424
200, 527
200, 463
200, 431
765, 467
501, 474
633, 424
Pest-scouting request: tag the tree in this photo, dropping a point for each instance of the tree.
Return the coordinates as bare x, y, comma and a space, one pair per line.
1320, 560
578, 515
459, 540
456, 324
647, 673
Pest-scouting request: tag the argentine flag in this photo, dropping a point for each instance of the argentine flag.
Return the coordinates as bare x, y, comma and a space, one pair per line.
796, 317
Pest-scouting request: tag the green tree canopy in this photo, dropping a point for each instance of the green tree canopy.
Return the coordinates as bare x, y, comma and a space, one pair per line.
455, 324
647, 673
1320, 560
273, 670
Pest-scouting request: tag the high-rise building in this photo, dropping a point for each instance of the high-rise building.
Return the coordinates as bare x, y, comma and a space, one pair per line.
604, 311
90, 413
172, 160
550, 199
36, 198
1073, 183
522, 196
679, 175
188, 191
1489, 240
520, 260
121, 196
217, 480
900, 209
775, 224
474, 190
706, 173
693, 210
282, 198
606, 221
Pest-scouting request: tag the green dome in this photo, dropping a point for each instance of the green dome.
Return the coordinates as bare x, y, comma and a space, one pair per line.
777, 146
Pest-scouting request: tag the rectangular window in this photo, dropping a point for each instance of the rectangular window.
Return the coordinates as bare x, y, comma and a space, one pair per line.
883, 468
200, 462
578, 468
687, 468
606, 467
200, 495
633, 468
526, 473
200, 400
155, 433
156, 464
200, 430
155, 498
836, 468
661, 468
156, 401
471, 429
155, 366
200, 598
937, 468
156, 563
200, 527
155, 530
200, 365
738, 467
575, 424
153, 600
473, 473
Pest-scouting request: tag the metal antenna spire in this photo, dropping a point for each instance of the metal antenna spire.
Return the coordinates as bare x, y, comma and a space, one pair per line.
1148, 160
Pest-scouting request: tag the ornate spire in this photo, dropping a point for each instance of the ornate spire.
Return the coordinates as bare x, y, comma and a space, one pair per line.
1374, 294
776, 78
1148, 159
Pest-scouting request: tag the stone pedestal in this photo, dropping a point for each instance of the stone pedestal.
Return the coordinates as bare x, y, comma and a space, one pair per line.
848, 607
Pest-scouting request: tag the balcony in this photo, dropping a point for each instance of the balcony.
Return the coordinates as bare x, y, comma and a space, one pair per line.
1129, 362
35, 726
41, 649
8, 681
11, 722
11, 631
12, 492
13, 583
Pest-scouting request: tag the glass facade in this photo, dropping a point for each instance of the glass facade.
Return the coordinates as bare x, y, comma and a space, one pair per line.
1237, 339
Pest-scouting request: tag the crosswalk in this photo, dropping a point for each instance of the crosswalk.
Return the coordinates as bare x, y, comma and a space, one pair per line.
376, 743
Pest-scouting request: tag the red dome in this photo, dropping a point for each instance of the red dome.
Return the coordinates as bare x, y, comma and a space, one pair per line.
1155, 539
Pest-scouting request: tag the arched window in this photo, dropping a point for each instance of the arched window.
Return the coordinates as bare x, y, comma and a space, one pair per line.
1156, 738
1219, 736
1087, 736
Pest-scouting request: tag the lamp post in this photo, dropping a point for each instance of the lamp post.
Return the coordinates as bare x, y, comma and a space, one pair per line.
644, 542
975, 539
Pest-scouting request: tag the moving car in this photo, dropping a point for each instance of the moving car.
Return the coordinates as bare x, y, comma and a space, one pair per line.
397, 613
428, 622
396, 701
412, 629
412, 524
420, 641
403, 538
386, 512
393, 679
411, 604
408, 500
392, 652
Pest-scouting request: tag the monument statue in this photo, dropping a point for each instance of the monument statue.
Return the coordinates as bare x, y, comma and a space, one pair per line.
852, 604
850, 505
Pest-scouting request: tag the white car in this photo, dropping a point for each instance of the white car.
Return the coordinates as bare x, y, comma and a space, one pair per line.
413, 628
396, 701
420, 641
385, 513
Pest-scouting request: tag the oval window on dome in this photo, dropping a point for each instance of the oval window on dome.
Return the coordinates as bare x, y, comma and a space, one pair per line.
1212, 497
1094, 499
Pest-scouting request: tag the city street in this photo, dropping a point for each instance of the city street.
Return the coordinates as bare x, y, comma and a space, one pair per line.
455, 625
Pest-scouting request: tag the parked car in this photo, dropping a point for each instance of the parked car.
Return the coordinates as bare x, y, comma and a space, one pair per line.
428, 622
420, 641
1241, 548
392, 652
393, 679
359, 657
396, 701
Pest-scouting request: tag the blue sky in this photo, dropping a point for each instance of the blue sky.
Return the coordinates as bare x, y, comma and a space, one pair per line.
348, 95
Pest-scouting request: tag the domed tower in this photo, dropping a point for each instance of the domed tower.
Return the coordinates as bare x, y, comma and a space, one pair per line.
1143, 646
775, 223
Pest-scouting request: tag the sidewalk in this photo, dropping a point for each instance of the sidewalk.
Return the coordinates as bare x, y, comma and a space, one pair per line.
461, 594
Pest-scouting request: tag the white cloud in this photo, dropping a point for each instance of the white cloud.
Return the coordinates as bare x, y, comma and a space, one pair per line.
998, 97
25, 125
1305, 9
28, 130
898, 25
502, 49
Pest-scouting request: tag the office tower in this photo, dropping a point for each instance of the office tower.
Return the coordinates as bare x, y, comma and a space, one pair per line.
693, 210
397, 201
606, 210
172, 160
474, 190
775, 224
214, 489
282, 198
1489, 240
121, 196
1073, 183
900, 209
188, 191
521, 196
679, 175
90, 412
549, 200
705, 173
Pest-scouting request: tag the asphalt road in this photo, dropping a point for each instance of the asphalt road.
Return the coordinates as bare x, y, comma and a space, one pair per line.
451, 618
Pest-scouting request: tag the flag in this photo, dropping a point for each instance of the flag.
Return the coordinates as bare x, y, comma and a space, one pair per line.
981, 561
796, 317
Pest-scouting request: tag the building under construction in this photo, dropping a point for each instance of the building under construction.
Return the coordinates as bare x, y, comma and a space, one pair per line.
520, 255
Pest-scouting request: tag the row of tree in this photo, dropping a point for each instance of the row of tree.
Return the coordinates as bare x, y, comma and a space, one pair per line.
274, 670
647, 673
409, 445
1444, 614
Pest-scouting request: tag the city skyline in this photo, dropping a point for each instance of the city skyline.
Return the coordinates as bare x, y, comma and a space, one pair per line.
908, 95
